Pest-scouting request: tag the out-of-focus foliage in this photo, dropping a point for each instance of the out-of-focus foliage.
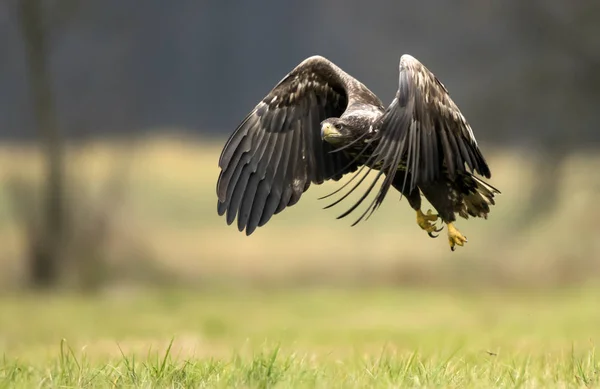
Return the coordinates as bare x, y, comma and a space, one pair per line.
521, 71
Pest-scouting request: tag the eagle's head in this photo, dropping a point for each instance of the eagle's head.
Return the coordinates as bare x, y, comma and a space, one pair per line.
335, 131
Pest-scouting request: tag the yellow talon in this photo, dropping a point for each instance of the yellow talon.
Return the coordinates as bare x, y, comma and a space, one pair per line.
427, 222
455, 237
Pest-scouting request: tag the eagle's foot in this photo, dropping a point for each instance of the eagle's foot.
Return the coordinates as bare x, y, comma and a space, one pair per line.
455, 237
427, 222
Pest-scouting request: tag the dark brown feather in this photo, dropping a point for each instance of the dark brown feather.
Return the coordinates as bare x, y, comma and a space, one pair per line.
423, 130
277, 151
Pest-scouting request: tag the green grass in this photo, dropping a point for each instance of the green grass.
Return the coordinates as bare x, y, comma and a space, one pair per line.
301, 338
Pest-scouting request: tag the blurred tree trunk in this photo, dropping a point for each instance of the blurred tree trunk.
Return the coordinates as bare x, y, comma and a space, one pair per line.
45, 254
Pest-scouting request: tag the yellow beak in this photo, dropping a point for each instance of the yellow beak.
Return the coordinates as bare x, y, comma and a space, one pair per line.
328, 131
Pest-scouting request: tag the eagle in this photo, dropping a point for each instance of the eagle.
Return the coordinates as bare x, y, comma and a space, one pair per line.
319, 123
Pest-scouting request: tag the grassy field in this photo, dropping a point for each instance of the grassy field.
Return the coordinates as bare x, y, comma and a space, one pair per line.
312, 337
307, 301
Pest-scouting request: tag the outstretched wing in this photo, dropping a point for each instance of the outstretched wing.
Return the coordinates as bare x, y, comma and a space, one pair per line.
424, 130
277, 150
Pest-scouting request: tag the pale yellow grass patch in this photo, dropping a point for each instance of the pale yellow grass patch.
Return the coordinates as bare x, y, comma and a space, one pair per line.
170, 209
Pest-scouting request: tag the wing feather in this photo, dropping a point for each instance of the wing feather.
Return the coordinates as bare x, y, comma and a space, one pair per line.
424, 130
425, 101
276, 152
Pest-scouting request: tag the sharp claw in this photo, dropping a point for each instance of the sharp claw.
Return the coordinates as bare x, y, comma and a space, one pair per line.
452, 248
427, 222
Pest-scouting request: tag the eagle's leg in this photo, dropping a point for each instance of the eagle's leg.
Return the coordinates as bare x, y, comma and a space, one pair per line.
425, 220
445, 200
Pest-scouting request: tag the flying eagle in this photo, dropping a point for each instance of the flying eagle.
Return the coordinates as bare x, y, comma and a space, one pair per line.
319, 123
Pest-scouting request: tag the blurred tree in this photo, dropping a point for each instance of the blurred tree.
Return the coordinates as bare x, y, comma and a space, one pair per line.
37, 19
558, 35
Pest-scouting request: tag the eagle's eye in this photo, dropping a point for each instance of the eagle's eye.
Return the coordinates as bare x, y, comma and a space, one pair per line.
337, 126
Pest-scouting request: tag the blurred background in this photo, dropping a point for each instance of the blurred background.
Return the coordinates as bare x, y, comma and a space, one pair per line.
113, 114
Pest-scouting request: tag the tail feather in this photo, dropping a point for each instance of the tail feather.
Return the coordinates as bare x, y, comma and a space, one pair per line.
478, 198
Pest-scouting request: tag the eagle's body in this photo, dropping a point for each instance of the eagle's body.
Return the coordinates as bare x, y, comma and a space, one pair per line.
319, 123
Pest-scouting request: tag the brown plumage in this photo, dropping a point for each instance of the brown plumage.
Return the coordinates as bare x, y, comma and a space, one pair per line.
319, 123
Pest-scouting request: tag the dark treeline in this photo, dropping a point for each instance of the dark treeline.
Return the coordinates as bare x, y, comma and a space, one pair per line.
523, 72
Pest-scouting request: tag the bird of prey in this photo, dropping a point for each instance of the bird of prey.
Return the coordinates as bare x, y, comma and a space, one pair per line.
319, 123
